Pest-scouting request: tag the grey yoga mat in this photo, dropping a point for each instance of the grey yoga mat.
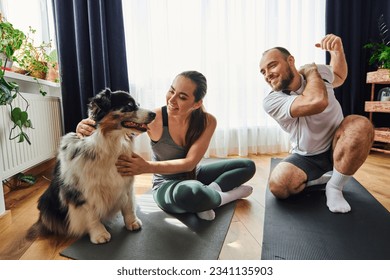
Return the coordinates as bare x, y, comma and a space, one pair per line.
163, 236
302, 227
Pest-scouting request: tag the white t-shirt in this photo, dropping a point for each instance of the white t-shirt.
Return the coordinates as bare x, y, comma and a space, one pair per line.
309, 135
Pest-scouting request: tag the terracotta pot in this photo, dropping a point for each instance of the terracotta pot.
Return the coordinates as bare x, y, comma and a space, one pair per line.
52, 74
18, 70
38, 74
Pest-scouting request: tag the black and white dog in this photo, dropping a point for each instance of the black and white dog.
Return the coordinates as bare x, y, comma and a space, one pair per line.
86, 189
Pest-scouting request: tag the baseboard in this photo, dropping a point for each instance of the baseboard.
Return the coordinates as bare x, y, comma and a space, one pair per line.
35, 171
5, 220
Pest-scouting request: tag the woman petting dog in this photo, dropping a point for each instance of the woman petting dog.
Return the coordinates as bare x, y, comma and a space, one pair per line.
180, 136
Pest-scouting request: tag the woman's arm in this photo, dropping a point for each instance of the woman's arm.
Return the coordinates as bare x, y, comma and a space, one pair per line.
85, 127
135, 165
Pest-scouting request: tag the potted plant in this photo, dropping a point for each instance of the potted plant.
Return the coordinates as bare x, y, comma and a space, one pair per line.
380, 55
52, 74
11, 40
380, 52
33, 58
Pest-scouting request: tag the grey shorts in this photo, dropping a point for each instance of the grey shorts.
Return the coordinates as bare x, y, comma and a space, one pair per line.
314, 166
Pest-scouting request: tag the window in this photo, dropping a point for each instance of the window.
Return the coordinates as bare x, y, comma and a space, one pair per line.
223, 39
35, 13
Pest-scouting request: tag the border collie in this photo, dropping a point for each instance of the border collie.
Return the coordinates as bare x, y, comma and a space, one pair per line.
86, 189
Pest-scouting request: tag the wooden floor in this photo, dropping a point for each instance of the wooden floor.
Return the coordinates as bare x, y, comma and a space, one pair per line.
243, 241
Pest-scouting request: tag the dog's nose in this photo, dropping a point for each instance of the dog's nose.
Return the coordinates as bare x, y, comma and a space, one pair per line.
152, 115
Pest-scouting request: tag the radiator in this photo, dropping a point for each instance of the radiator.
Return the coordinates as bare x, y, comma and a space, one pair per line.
45, 114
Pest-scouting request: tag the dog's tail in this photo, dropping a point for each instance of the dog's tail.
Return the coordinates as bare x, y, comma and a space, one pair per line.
36, 230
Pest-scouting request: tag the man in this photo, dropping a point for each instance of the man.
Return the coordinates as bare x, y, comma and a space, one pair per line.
326, 147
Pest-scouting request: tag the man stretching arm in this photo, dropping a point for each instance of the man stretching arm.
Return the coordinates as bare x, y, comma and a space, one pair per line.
323, 141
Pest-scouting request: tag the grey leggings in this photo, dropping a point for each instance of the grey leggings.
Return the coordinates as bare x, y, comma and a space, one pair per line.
192, 196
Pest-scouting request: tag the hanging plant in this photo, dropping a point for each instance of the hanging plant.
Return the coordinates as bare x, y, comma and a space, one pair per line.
8, 92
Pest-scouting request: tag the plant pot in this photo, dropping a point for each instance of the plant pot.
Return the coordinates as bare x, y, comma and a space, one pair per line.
52, 74
9, 63
40, 74
18, 70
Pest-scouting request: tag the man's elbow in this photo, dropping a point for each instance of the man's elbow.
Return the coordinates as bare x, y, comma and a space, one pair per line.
321, 105
338, 80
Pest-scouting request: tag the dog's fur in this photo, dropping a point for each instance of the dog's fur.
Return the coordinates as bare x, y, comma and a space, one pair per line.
86, 189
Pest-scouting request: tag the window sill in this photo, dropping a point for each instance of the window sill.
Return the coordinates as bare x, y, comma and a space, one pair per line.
28, 84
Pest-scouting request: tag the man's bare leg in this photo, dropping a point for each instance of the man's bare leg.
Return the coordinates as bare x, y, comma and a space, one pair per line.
351, 146
286, 179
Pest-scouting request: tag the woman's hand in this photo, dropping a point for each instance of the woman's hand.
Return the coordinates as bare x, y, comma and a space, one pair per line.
130, 166
85, 128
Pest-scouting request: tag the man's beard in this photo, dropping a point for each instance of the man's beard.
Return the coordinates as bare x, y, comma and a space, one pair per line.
286, 81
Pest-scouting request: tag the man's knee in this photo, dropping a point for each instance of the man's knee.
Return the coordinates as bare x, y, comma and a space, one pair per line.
358, 122
357, 129
277, 189
286, 179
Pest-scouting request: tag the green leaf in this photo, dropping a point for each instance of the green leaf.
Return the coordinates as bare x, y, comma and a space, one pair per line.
15, 114
43, 92
19, 124
30, 179
23, 117
5, 95
28, 124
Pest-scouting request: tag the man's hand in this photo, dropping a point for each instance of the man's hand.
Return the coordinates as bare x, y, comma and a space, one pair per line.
308, 69
331, 43
85, 128
334, 45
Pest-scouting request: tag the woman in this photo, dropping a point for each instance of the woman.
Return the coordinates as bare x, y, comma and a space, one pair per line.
180, 135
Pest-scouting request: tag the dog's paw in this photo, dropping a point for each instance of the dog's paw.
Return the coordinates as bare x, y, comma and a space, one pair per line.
134, 224
100, 237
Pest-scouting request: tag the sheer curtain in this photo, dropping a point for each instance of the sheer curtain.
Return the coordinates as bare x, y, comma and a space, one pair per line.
223, 39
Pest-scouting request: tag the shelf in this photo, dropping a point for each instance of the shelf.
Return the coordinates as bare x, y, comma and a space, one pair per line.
381, 150
382, 76
382, 134
377, 106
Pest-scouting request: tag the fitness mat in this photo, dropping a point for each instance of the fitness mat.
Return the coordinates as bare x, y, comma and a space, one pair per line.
163, 236
302, 227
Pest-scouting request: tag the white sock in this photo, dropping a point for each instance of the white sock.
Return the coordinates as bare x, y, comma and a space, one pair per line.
322, 180
334, 193
236, 193
208, 215
214, 186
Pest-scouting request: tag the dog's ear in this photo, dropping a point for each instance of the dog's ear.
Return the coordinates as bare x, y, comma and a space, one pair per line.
100, 105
